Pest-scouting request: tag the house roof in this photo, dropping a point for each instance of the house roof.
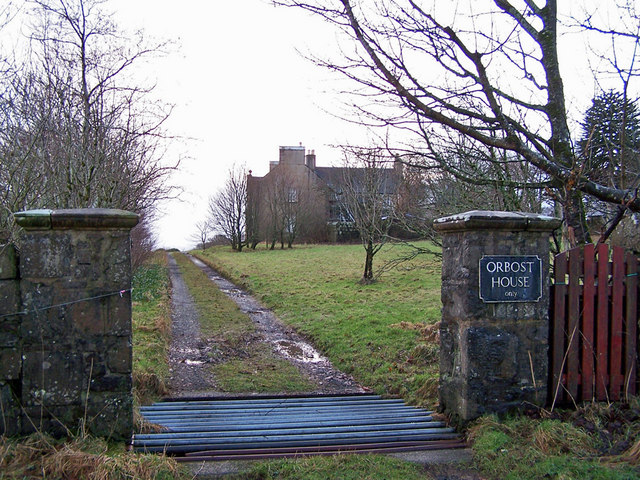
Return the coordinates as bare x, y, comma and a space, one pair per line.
335, 176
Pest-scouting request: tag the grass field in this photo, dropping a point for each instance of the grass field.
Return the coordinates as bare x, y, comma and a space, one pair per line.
382, 333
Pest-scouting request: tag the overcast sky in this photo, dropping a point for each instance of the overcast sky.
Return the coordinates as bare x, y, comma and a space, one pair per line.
240, 88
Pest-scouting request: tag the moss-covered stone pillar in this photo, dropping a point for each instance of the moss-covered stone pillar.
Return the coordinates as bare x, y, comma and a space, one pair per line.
75, 282
495, 316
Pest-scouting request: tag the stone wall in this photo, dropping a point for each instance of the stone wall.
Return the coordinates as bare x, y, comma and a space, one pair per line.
68, 353
494, 356
10, 345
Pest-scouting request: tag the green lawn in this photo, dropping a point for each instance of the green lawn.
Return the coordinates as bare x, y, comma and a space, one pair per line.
382, 333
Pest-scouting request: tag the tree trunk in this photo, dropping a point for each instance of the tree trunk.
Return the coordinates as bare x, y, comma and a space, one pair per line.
367, 277
577, 232
238, 230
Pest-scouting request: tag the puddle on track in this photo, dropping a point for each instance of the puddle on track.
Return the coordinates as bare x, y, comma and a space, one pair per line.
193, 362
298, 351
191, 356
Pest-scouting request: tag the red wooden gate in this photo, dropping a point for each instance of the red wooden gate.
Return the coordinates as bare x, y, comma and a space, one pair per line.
594, 315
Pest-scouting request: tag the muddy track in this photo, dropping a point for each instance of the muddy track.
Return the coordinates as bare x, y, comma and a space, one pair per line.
189, 375
189, 352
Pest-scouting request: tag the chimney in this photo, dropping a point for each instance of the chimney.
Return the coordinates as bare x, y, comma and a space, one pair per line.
398, 167
310, 159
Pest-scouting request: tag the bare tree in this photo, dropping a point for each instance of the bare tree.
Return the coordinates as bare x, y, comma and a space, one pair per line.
291, 207
143, 242
280, 201
368, 197
227, 207
202, 233
485, 76
78, 129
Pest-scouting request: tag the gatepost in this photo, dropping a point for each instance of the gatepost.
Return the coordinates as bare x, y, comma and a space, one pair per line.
75, 367
495, 316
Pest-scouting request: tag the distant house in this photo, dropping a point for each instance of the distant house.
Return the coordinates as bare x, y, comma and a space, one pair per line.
297, 200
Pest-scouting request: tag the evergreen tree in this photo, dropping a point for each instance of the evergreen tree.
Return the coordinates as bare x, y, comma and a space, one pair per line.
610, 142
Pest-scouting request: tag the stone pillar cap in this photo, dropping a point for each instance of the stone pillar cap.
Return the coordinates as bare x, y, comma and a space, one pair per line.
496, 220
78, 218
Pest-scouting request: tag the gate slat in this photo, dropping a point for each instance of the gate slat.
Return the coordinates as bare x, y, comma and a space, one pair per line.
602, 335
560, 291
631, 322
594, 335
573, 333
588, 305
615, 363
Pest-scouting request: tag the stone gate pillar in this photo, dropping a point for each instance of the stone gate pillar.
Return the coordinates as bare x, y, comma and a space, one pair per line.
75, 284
495, 316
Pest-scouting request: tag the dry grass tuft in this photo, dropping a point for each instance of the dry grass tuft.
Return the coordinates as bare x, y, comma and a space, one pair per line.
163, 322
142, 426
549, 437
557, 438
39, 456
148, 386
632, 456
483, 424
429, 388
429, 332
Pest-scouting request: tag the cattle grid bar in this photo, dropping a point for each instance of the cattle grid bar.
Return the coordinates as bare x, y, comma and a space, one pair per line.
276, 427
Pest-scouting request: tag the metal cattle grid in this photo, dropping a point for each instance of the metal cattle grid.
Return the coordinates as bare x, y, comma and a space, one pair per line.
282, 427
